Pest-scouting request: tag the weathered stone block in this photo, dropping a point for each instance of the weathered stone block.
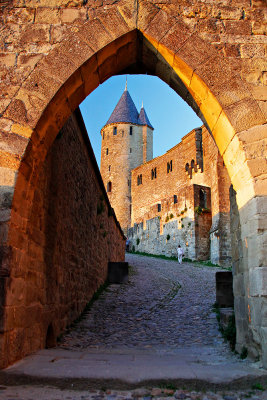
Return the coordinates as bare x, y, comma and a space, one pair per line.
118, 272
258, 282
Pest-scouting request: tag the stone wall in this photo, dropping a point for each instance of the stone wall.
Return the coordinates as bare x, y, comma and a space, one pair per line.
195, 162
62, 257
213, 54
183, 227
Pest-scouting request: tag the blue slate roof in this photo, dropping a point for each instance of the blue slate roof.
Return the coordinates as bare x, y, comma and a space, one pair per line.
125, 111
143, 118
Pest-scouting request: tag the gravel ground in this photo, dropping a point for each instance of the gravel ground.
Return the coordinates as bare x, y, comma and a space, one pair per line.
48, 393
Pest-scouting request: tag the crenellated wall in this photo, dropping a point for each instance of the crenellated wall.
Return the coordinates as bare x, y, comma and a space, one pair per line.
195, 162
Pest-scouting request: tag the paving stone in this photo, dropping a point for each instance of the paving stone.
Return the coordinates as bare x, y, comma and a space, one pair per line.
162, 306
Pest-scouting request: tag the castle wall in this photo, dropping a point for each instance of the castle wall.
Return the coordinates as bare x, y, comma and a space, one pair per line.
62, 258
181, 226
193, 163
147, 143
125, 152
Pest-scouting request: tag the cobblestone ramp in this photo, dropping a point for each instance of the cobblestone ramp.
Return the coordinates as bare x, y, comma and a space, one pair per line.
159, 328
164, 306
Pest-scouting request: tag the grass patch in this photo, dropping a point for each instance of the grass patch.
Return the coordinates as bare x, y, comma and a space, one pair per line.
229, 333
185, 259
168, 386
257, 386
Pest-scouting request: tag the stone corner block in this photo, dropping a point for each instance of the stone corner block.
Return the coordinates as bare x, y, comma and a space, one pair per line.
258, 282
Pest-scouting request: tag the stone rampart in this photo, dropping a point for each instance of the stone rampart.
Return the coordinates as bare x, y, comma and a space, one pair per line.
194, 162
61, 257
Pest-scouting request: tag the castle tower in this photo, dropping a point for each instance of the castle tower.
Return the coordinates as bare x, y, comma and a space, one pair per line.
127, 142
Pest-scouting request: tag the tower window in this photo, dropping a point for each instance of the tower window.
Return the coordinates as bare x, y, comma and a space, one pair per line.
109, 186
154, 173
109, 167
131, 130
159, 207
202, 198
139, 180
130, 150
115, 130
103, 136
106, 151
175, 198
169, 166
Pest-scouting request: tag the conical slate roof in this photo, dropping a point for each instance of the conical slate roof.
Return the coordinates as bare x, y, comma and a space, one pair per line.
125, 111
143, 118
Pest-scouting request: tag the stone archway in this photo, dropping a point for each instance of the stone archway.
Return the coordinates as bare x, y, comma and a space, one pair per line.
142, 38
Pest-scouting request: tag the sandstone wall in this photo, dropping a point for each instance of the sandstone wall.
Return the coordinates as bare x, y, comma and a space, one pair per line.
182, 226
213, 54
190, 166
119, 154
62, 258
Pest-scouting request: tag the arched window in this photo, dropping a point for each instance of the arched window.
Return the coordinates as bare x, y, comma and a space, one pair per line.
109, 186
187, 167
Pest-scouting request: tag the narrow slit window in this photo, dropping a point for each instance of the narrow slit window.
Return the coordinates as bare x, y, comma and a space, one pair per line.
131, 130
169, 166
139, 180
175, 198
109, 187
154, 173
159, 207
115, 130
106, 151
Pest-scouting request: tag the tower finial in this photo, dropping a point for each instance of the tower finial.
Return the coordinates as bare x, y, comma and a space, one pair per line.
126, 83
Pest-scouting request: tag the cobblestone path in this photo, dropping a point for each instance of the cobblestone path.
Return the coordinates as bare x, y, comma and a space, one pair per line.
163, 306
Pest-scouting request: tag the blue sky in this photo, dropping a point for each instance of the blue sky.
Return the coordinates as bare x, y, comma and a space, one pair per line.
170, 116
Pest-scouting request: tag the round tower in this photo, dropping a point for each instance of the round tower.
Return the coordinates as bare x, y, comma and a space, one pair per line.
126, 142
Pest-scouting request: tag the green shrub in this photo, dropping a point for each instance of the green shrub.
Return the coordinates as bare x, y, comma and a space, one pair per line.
167, 218
182, 212
171, 215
